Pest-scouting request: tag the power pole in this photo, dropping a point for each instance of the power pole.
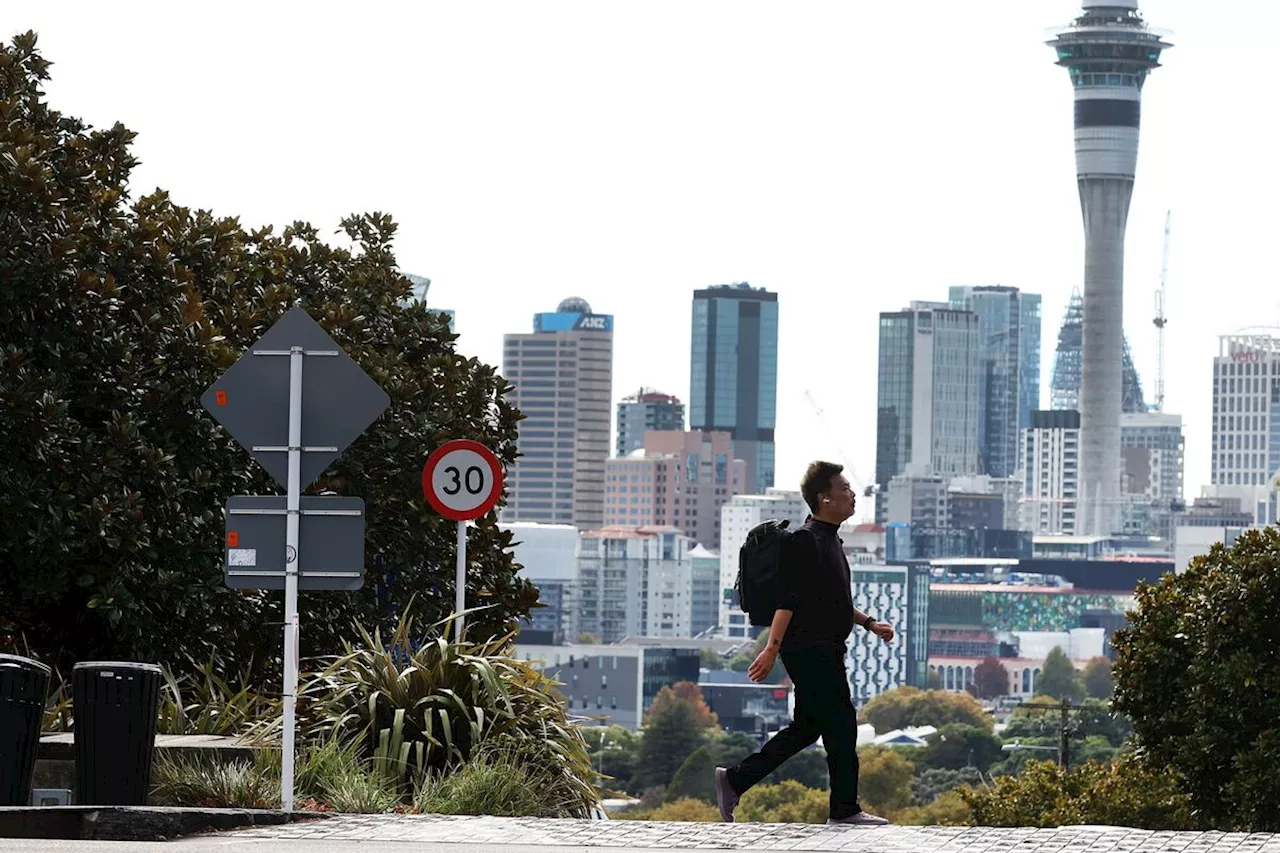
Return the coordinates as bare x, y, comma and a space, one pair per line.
1064, 707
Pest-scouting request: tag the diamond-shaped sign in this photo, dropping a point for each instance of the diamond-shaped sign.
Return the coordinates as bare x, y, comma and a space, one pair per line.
339, 400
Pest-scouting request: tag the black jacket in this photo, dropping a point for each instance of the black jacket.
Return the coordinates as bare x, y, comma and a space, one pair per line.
816, 588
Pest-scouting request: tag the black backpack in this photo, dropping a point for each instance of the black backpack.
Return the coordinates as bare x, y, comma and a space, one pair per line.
758, 583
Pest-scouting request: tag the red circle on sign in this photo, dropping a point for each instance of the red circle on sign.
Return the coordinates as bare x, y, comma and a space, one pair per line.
468, 448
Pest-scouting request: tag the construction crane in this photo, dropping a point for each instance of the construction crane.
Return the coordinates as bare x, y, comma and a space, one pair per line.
848, 464
1160, 321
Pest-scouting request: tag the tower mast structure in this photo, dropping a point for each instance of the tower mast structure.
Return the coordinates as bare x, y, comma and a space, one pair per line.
1108, 52
1160, 321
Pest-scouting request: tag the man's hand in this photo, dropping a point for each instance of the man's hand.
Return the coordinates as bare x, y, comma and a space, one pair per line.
883, 630
763, 664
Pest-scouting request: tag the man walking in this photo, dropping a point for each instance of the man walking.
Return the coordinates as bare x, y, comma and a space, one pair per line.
810, 627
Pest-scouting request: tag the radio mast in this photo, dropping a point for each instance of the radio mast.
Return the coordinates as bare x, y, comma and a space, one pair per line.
1160, 321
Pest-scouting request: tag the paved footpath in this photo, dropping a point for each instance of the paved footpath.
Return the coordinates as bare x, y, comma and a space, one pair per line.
369, 832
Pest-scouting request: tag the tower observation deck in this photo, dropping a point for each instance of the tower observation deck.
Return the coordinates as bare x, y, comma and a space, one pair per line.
1108, 52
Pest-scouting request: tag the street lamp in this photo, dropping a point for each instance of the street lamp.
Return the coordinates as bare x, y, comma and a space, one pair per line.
1018, 745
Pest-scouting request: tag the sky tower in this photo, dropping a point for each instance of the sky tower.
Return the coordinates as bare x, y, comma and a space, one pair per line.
1108, 52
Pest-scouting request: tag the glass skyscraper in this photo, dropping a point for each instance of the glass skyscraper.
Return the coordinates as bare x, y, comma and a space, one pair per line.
1008, 370
734, 373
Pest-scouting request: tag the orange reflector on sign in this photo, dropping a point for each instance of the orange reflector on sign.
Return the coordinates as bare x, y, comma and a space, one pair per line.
220, 397
233, 539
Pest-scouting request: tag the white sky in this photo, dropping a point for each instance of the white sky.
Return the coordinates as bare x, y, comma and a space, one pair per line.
850, 156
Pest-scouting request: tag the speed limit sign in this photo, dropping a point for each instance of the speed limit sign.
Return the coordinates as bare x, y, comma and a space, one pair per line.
462, 480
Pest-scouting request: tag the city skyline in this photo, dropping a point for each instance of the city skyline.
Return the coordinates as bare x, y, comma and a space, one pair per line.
714, 190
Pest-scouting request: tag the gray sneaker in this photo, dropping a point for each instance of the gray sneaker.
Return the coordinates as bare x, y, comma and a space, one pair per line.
859, 819
726, 797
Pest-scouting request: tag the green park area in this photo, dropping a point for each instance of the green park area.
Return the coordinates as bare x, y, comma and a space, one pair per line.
119, 307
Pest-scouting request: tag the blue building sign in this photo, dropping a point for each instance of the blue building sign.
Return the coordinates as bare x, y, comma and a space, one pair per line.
563, 321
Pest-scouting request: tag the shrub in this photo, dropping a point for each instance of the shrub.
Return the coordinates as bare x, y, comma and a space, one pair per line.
688, 809
425, 709
202, 782
950, 809
1123, 794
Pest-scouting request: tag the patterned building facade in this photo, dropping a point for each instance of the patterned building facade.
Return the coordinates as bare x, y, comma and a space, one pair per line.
898, 595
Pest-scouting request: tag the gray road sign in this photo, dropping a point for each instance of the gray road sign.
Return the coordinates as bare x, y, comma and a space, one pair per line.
251, 400
330, 537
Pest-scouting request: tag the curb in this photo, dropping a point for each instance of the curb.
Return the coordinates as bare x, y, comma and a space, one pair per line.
134, 823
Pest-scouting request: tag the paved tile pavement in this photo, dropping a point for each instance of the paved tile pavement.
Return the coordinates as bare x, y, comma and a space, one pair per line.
526, 832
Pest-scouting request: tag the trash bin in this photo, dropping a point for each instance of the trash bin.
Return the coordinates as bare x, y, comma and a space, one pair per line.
24, 687
116, 705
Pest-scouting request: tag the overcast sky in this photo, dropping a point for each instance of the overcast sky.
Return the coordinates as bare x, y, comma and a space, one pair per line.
851, 156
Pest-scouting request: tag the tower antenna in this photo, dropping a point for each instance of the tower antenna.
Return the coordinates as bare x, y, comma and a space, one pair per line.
1160, 321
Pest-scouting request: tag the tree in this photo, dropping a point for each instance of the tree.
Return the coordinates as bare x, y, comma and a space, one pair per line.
1094, 718
809, 768
1098, 682
931, 783
955, 746
786, 802
688, 692
711, 659
1196, 671
884, 778
1126, 794
675, 728
586, 638
903, 707
696, 776
114, 319
949, 809
991, 678
683, 811
1059, 677
615, 753
933, 681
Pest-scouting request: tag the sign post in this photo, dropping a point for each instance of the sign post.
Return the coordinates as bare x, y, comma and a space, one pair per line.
294, 423
462, 481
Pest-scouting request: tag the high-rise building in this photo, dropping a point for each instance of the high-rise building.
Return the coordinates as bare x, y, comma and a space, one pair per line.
548, 554
1051, 466
563, 378
1108, 51
1065, 384
737, 517
643, 411
635, 582
898, 595
679, 479
1151, 448
733, 383
927, 400
1246, 423
1008, 370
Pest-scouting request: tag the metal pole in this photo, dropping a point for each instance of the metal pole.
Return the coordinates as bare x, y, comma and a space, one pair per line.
460, 580
294, 501
1063, 747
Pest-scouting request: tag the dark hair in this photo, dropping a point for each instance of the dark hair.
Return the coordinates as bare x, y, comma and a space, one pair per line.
817, 480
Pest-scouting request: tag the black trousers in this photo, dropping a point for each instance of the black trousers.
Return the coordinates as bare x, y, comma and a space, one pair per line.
824, 709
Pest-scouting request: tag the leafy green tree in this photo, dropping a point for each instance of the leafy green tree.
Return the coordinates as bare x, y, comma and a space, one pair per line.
1125, 794
1035, 720
696, 776
786, 802
990, 678
931, 783
114, 319
1098, 683
934, 680
1196, 670
903, 707
948, 809
687, 810
884, 779
955, 746
809, 768
586, 638
615, 753
675, 727
711, 659
1059, 677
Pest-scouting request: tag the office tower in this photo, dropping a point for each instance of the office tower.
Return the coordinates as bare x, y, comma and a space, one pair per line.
1246, 423
706, 590
734, 373
927, 399
1065, 383
1151, 449
1008, 370
682, 480
643, 411
1108, 52
635, 582
737, 517
1051, 465
563, 375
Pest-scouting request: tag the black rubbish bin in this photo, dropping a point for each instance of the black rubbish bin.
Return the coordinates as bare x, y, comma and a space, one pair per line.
116, 705
24, 687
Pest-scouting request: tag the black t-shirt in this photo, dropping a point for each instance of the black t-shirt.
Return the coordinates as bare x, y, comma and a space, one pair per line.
816, 588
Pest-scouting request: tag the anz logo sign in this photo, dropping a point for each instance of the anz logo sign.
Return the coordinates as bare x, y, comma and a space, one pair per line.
594, 323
